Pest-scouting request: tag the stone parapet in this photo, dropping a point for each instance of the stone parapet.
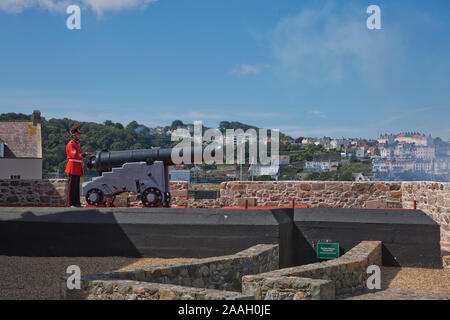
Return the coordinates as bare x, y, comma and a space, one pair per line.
433, 198
47, 192
314, 194
216, 273
322, 280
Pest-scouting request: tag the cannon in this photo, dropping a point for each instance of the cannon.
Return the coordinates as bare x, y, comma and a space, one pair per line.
142, 171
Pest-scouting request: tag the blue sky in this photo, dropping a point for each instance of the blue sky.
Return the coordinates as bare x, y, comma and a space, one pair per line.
308, 68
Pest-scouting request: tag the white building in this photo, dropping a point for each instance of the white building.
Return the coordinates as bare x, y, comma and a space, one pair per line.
338, 143
386, 152
403, 151
317, 166
413, 138
360, 153
264, 170
441, 165
423, 166
380, 166
426, 153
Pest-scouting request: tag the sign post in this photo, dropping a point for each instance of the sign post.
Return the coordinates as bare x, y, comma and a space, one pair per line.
327, 250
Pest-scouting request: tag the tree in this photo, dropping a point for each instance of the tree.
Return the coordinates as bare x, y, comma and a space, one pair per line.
176, 124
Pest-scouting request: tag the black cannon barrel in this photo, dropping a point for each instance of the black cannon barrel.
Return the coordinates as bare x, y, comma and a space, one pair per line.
105, 160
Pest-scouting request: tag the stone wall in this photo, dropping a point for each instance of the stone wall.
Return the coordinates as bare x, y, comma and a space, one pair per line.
256, 267
326, 194
446, 262
179, 192
51, 192
137, 290
433, 198
316, 281
216, 273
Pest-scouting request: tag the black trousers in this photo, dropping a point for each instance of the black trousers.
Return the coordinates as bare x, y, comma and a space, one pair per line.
73, 190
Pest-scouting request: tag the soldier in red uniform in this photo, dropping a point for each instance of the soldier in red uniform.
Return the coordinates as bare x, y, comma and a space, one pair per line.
74, 167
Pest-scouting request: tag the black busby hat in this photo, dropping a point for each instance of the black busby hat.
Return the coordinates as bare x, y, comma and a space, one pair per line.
76, 129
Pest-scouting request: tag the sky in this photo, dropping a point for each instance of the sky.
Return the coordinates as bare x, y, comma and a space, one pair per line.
308, 68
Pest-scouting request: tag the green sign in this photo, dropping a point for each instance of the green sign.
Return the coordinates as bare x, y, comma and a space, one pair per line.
327, 250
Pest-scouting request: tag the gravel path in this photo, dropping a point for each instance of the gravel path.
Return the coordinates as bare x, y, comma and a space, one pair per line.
408, 284
418, 279
39, 277
145, 262
397, 294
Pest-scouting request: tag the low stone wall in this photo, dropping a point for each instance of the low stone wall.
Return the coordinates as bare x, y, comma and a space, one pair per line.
322, 280
179, 192
446, 262
134, 290
217, 273
433, 198
47, 192
290, 288
53, 193
327, 194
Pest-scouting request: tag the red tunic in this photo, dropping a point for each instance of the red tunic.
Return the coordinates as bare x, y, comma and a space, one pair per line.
74, 158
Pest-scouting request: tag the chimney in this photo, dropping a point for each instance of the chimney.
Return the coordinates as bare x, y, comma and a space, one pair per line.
36, 117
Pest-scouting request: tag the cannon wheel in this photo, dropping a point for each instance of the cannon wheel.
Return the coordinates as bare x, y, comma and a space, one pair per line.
95, 197
151, 197
167, 198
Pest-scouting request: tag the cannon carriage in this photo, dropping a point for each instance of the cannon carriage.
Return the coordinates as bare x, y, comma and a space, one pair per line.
144, 172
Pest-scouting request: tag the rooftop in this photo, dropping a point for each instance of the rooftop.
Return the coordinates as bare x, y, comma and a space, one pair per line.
22, 139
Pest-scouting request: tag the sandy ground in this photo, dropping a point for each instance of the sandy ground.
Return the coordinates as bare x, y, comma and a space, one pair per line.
40, 277
415, 279
154, 261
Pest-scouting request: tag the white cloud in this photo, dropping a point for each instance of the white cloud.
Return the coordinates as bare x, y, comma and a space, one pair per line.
18, 6
193, 115
98, 6
247, 69
327, 44
318, 114
318, 131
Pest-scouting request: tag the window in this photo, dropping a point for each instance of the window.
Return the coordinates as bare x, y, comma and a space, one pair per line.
2, 149
15, 177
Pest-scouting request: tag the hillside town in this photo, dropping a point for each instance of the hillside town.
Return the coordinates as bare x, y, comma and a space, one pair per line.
407, 156
403, 156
